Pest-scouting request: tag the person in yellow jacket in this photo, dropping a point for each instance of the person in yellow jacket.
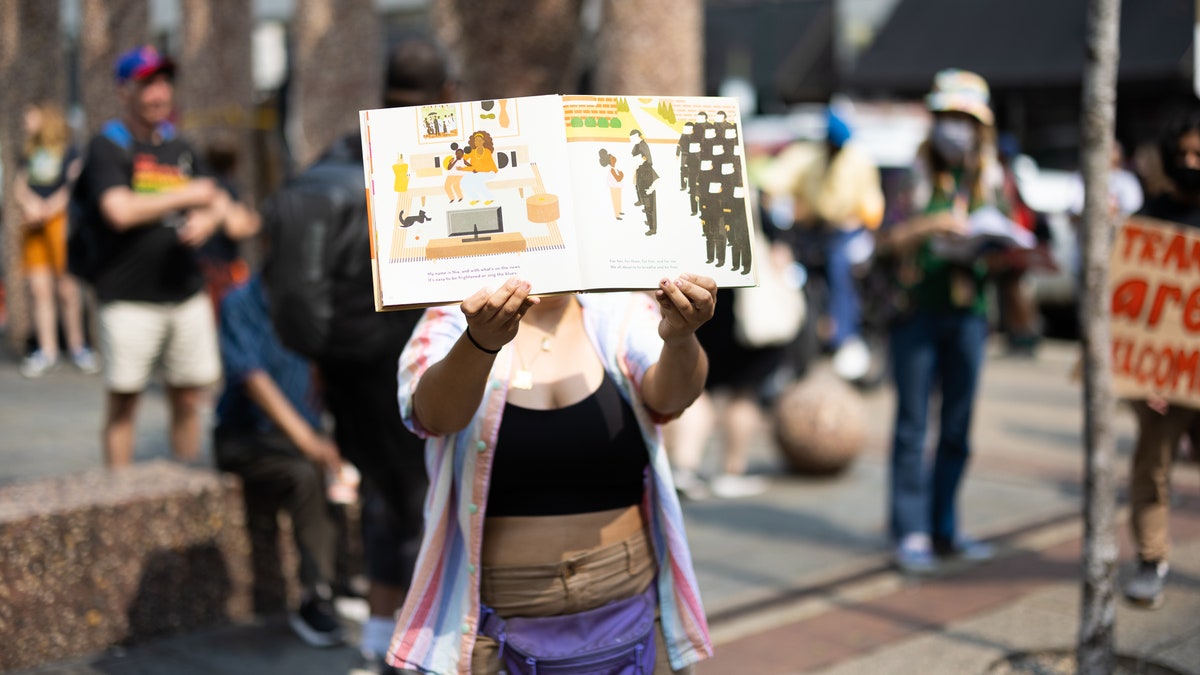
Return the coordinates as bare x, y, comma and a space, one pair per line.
835, 193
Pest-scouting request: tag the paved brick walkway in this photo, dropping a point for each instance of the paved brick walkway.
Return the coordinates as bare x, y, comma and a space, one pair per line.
849, 628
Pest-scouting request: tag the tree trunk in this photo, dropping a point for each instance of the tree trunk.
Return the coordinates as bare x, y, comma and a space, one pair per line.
107, 28
215, 86
337, 71
509, 48
1098, 607
31, 66
636, 52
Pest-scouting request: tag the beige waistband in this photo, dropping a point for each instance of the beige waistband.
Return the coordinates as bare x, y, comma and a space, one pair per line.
531, 540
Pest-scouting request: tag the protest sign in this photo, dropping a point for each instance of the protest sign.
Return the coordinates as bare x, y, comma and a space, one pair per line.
1155, 274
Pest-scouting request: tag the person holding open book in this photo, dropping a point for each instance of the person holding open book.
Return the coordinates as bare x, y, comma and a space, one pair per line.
551, 500
939, 338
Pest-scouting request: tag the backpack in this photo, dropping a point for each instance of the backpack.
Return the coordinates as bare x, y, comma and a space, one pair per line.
88, 238
317, 271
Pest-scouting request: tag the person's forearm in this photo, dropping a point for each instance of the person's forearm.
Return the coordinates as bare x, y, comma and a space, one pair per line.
906, 235
677, 379
449, 392
262, 390
220, 207
242, 222
125, 209
27, 200
57, 202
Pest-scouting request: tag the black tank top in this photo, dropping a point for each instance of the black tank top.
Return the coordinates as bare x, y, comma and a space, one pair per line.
589, 456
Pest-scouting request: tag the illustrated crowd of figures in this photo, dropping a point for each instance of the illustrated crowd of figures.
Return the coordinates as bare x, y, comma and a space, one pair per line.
710, 172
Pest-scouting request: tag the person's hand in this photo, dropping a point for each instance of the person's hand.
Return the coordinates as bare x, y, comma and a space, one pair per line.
493, 317
35, 214
685, 304
1158, 404
198, 226
323, 451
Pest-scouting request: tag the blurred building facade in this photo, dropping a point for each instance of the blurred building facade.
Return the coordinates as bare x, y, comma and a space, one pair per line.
789, 55
1032, 54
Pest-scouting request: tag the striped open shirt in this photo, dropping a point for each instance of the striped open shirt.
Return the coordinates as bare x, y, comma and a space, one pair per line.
437, 626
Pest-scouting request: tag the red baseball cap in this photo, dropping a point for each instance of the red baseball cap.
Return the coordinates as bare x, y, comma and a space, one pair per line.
141, 63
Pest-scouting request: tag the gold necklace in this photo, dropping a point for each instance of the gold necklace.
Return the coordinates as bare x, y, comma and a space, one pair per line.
523, 378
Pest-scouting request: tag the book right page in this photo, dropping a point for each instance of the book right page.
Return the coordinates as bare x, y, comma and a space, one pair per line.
660, 189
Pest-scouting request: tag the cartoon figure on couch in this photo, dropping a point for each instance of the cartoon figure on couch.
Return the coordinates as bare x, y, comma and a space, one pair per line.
478, 163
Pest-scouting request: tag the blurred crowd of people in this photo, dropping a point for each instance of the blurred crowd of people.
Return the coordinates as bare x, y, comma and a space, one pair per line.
175, 299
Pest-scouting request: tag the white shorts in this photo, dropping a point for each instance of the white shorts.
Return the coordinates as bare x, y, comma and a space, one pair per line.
137, 336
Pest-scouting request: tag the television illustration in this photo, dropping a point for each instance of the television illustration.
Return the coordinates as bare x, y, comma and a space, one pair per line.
471, 223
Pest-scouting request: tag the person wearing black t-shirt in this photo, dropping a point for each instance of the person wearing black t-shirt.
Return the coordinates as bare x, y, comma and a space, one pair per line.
157, 205
1161, 425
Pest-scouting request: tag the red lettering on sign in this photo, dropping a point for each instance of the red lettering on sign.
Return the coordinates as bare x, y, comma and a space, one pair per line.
1165, 368
1152, 240
1185, 364
1140, 370
1191, 311
1130, 233
1160, 300
1128, 298
1176, 253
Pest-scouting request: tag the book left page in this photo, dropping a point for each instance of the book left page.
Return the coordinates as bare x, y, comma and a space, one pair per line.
465, 195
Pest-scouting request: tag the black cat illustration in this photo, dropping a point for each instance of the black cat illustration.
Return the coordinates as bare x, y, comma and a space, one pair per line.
409, 221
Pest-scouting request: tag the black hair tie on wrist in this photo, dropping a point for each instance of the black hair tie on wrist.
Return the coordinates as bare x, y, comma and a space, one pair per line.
478, 346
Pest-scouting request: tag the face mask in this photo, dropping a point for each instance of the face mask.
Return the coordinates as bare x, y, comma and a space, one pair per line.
1186, 179
953, 139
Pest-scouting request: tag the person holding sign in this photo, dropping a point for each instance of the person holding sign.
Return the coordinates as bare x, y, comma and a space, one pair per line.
940, 338
551, 500
1161, 425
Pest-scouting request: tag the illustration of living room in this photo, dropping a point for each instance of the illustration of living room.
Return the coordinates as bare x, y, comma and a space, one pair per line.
470, 186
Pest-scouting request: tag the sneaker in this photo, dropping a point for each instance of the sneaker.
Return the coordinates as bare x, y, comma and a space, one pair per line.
914, 555
316, 623
732, 486
1145, 587
1022, 346
85, 361
689, 485
965, 548
852, 360
36, 365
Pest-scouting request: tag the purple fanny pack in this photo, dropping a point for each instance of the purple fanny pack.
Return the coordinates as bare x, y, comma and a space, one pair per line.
614, 639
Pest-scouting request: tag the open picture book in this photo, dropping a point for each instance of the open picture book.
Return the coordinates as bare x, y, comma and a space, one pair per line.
988, 229
571, 193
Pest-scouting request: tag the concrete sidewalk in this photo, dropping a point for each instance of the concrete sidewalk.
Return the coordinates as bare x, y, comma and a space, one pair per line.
797, 579
967, 620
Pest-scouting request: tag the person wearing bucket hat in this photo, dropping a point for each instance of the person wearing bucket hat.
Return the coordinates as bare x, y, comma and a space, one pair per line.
940, 334
147, 198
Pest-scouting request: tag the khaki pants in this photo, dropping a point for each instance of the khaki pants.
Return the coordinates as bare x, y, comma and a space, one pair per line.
584, 581
1149, 483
